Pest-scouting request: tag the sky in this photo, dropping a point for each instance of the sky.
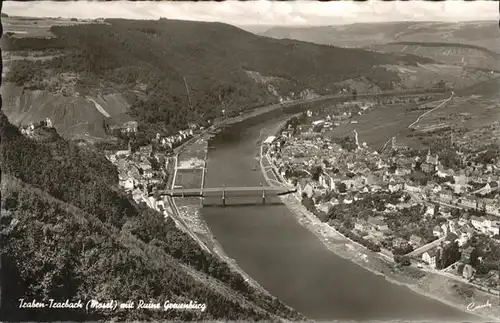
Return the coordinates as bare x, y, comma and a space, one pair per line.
296, 13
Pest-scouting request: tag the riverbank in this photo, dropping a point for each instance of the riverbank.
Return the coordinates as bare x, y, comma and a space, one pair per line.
193, 156
431, 285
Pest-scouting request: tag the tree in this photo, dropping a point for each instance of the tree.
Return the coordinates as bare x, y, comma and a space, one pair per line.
348, 223
402, 260
450, 254
341, 187
441, 85
316, 172
436, 208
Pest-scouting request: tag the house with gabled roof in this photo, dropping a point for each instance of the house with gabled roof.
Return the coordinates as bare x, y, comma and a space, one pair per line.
430, 257
362, 225
437, 231
416, 240
477, 222
378, 224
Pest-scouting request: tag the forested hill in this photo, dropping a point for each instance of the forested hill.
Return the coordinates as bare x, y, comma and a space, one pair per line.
69, 233
179, 71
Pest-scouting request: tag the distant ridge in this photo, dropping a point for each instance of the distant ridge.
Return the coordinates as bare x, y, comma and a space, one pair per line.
175, 72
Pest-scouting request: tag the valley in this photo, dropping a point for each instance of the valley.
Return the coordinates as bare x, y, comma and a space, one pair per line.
102, 117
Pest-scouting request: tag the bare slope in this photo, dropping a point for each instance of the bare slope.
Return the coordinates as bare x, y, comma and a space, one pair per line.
69, 233
72, 116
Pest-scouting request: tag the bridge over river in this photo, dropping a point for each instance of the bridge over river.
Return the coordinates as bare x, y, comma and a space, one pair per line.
228, 192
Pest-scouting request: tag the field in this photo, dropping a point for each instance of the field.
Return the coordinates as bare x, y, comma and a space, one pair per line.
35, 27
380, 124
452, 55
483, 34
454, 76
190, 165
188, 178
476, 115
194, 150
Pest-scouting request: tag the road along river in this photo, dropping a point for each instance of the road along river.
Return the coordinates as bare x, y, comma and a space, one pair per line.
288, 260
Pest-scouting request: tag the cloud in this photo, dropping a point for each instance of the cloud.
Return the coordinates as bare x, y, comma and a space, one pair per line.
264, 12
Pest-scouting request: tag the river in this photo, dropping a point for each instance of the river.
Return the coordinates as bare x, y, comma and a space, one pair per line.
288, 260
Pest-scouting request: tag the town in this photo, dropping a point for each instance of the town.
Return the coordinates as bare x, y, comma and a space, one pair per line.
408, 205
402, 203
150, 167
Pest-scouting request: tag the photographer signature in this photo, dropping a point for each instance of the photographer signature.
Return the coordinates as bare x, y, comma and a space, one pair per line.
473, 306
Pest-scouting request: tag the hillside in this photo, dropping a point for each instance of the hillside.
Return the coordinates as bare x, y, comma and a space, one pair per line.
172, 72
480, 33
447, 53
69, 233
73, 116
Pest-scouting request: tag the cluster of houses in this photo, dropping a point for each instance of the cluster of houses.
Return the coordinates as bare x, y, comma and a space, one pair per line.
170, 142
432, 257
458, 192
124, 128
364, 172
135, 169
167, 142
28, 130
351, 174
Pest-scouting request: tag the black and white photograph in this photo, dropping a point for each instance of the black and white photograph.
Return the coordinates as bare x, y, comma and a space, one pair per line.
252, 161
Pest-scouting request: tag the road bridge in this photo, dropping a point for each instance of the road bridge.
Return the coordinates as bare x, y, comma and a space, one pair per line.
223, 191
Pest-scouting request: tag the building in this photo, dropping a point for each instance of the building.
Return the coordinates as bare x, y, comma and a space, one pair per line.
460, 179
413, 189
269, 140
432, 160
378, 224
441, 172
130, 126
469, 230
146, 169
462, 238
428, 168
400, 243
453, 225
402, 171
445, 229
318, 122
494, 229
451, 237
48, 123
466, 253
430, 257
477, 222
431, 163
437, 231
468, 202
361, 225
468, 272
326, 182
304, 187
127, 183
122, 153
446, 196
416, 240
